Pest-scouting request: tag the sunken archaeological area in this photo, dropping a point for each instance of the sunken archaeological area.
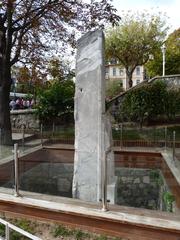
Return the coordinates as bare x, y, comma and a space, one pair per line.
93, 169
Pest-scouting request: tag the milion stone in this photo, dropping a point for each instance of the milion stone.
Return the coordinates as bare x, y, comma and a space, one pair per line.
92, 129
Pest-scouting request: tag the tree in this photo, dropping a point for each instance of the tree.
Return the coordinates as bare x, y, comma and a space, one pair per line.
172, 65
113, 88
29, 28
28, 78
136, 38
59, 70
56, 102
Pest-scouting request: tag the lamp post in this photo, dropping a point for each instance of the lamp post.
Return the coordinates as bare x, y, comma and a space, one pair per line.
163, 48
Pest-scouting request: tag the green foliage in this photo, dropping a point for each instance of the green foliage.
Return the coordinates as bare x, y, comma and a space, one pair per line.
65, 232
172, 66
168, 200
130, 134
150, 101
101, 238
113, 88
156, 176
2, 230
25, 225
59, 70
135, 105
56, 102
136, 38
77, 234
61, 231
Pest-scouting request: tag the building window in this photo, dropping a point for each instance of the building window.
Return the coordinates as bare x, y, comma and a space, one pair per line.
106, 70
138, 71
137, 81
114, 71
121, 72
113, 61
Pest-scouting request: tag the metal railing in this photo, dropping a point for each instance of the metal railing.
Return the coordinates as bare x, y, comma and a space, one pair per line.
9, 227
104, 182
16, 170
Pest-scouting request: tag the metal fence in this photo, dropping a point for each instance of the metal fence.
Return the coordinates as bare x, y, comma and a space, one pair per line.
124, 137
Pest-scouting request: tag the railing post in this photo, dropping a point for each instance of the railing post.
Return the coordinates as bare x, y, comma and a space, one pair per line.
7, 232
0, 142
105, 182
174, 145
104, 185
41, 132
16, 170
0, 136
121, 144
165, 138
53, 129
23, 134
154, 136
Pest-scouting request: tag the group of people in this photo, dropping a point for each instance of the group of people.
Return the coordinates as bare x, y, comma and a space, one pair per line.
20, 103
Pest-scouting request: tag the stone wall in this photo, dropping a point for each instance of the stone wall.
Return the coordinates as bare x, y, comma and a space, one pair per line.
140, 188
26, 117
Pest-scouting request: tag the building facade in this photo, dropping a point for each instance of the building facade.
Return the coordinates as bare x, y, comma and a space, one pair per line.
115, 72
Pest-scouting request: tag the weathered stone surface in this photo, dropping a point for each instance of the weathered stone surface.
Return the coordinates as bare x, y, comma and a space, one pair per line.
137, 180
48, 178
64, 185
27, 117
92, 130
146, 179
137, 188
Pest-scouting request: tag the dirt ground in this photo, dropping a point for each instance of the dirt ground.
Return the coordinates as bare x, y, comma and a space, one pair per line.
50, 231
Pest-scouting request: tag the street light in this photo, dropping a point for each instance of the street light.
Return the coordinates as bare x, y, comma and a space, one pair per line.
163, 48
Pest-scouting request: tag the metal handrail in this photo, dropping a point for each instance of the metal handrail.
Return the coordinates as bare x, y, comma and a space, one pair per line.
104, 182
16, 171
10, 226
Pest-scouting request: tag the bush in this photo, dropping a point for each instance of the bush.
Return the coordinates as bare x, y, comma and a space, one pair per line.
150, 102
56, 102
113, 88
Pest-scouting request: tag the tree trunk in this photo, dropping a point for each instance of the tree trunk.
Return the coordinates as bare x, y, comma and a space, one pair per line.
129, 78
5, 84
5, 123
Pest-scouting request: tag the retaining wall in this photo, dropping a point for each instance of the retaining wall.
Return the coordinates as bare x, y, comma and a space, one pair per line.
26, 117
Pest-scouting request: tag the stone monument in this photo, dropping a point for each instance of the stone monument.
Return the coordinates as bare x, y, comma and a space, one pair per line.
92, 128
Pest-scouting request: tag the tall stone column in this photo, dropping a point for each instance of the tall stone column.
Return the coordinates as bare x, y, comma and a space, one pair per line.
89, 117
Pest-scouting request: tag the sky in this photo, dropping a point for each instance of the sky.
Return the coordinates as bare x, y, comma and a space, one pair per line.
170, 7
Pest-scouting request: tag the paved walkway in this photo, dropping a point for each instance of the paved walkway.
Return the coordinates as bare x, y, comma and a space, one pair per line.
18, 136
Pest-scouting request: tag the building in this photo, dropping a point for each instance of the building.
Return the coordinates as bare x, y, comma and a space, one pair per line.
115, 72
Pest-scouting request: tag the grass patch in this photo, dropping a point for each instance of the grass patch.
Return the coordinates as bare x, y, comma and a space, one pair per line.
151, 134
61, 231
24, 224
66, 232
2, 230
77, 234
50, 231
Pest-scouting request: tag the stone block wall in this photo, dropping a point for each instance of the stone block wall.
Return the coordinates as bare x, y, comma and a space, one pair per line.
27, 117
139, 188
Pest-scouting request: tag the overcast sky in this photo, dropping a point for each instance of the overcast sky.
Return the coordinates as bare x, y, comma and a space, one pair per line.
170, 7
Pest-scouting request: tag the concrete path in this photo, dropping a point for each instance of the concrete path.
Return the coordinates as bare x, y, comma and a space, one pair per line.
18, 136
